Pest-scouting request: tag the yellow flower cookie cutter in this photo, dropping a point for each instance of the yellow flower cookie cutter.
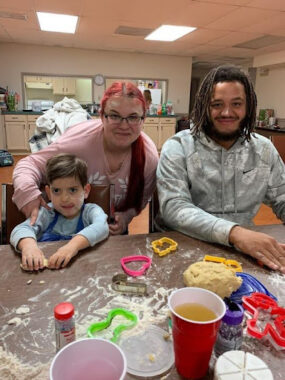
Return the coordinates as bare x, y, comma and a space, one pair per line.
157, 244
230, 264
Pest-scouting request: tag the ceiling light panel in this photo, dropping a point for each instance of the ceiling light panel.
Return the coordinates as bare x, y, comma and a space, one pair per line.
169, 33
54, 22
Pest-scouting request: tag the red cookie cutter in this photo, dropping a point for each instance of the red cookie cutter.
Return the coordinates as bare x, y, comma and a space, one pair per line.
139, 272
268, 319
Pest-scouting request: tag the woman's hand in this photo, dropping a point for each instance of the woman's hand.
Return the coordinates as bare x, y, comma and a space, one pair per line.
31, 209
260, 246
119, 226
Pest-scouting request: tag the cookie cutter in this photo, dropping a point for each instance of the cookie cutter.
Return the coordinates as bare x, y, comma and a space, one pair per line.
267, 319
157, 244
230, 264
121, 284
99, 326
249, 285
141, 271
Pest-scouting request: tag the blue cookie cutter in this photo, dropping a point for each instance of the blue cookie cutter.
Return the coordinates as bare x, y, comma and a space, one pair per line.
249, 285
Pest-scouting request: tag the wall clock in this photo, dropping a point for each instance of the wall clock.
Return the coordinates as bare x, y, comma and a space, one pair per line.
99, 79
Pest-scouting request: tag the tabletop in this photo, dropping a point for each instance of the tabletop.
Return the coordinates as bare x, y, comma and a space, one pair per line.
26, 308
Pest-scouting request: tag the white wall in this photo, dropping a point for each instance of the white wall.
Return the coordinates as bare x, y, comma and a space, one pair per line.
18, 58
270, 90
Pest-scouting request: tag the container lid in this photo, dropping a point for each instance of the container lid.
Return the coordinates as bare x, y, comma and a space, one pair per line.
249, 285
149, 353
234, 313
63, 311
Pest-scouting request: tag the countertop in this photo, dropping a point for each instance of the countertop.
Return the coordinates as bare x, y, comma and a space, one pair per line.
91, 114
269, 128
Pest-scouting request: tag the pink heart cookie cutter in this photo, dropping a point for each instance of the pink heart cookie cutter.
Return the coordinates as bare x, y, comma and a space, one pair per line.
141, 271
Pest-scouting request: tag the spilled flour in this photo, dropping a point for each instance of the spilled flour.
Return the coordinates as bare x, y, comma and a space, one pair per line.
277, 280
149, 310
12, 369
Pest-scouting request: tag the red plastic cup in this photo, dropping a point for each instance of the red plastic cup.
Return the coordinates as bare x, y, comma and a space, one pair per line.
194, 341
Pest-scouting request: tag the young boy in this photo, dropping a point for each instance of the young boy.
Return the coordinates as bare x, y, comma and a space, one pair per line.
68, 218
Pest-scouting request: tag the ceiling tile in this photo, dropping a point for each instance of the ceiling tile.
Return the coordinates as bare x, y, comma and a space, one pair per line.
227, 2
234, 38
277, 5
241, 18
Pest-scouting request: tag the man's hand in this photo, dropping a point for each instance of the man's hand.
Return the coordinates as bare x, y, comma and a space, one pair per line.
32, 256
119, 226
31, 209
260, 246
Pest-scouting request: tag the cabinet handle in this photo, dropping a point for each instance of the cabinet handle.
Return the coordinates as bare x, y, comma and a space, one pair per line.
14, 117
62, 89
66, 89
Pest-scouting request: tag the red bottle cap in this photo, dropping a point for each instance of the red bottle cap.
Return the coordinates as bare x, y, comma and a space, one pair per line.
63, 311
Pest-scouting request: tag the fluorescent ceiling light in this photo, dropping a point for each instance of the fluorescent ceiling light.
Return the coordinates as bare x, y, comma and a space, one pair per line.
169, 32
53, 22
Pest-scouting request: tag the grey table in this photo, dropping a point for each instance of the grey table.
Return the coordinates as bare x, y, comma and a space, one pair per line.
87, 284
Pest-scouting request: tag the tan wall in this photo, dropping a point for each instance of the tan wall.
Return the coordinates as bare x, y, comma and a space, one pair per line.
270, 90
17, 58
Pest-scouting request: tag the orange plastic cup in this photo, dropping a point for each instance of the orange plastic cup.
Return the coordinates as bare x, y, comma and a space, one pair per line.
194, 341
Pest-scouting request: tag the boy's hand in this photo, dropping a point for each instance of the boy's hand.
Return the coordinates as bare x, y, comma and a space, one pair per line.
61, 257
32, 256
64, 254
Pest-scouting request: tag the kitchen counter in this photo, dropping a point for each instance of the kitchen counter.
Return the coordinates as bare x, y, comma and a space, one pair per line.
21, 113
91, 114
277, 136
270, 130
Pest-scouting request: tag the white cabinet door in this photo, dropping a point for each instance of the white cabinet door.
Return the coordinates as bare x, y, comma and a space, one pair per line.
31, 130
16, 135
166, 131
152, 130
58, 86
69, 86
64, 86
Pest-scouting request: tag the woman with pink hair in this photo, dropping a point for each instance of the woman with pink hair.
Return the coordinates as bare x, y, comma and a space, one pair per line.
115, 149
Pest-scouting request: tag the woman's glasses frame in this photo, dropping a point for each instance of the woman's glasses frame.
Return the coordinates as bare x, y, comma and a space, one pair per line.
117, 119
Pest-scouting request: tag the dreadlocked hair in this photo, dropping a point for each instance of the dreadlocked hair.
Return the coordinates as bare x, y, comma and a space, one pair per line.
225, 73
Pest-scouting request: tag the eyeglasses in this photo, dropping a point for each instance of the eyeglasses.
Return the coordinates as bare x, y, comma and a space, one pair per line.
117, 119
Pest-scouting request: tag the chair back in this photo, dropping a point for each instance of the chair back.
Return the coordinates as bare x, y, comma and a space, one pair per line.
102, 195
153, 210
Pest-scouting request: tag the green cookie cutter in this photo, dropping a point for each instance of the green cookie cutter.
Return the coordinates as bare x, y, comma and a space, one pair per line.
99, 326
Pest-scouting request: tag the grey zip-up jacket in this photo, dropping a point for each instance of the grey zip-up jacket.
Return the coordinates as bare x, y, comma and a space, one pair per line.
204, 189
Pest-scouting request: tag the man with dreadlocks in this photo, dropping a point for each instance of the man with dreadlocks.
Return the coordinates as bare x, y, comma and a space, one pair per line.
212, 178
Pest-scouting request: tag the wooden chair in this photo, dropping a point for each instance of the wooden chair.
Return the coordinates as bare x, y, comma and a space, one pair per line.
102, 195
153, 210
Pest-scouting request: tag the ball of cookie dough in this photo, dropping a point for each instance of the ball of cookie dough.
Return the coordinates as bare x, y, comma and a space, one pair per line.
212, 276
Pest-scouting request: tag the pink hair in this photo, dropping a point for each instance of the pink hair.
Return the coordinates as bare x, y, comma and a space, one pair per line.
127, 89
135, 190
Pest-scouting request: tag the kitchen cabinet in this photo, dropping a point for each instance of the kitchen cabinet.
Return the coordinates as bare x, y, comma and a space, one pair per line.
159, 129
19, 129
279, 143
16, 136
39, 79
64, 86
277, 137
31, 126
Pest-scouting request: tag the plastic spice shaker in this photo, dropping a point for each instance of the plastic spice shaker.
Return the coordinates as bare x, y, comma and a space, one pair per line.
230, 332
64, 324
